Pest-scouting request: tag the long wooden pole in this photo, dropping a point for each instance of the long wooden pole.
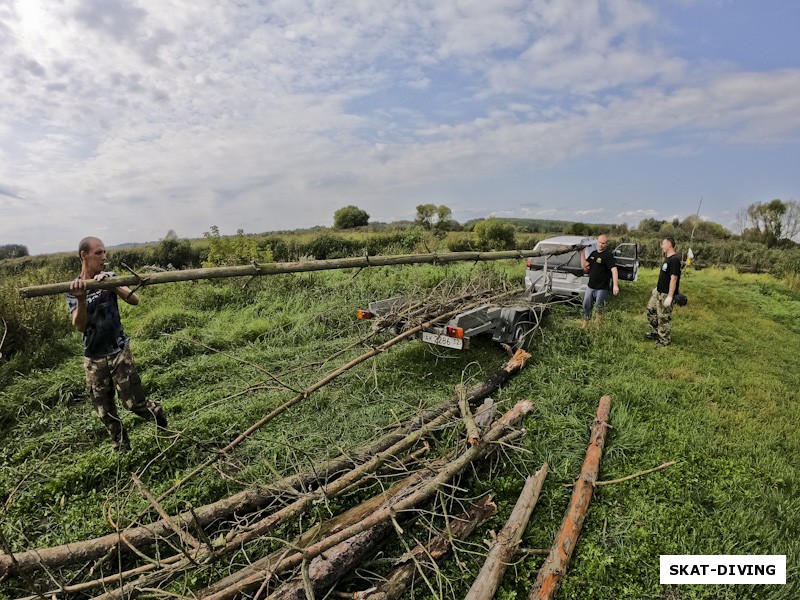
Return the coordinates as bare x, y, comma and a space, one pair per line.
507, 542
277, 268
556, 563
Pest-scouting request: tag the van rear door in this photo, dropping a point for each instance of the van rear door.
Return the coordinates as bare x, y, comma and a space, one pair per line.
627, 258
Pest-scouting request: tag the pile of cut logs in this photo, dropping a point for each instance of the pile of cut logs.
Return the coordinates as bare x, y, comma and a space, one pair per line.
235, 536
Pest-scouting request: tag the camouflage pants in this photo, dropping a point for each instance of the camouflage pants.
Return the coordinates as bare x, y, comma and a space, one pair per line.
660, 317
118, 372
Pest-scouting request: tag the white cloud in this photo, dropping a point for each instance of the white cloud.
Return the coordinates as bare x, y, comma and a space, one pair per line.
638, 214
243, 114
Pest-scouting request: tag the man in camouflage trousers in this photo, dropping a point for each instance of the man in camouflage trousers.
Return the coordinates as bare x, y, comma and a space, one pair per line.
108, 361
659, 307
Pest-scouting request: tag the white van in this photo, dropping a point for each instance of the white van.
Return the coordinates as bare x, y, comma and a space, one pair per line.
562, 274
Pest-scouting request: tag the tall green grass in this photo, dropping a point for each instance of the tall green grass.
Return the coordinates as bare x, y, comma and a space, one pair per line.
722, 402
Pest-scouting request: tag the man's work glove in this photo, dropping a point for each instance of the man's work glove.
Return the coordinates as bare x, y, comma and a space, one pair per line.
667, 301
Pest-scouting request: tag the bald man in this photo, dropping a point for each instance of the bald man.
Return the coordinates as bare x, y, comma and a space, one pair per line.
602, 270
107, 361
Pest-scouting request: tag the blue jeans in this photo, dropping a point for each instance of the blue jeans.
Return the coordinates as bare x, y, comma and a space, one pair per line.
590, 298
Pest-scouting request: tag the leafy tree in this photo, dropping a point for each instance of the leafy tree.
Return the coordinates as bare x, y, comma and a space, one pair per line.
13, 251
425, 215
171, 235
703, 230
349, 217
493, 234
176, 253
650, 225
432, 217
770, 222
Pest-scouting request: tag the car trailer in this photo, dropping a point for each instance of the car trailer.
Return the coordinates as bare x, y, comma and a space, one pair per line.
508, 324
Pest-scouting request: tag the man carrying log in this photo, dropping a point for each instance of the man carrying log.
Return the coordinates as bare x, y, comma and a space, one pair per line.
108, 361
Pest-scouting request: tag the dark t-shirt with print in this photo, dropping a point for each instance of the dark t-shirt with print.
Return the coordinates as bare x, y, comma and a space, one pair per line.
600, 265
104, 335
671, 266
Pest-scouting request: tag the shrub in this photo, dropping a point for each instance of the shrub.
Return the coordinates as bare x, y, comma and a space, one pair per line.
349, 217
31, 326
327, 246
177, 253
237, 250
456, 242
493, 234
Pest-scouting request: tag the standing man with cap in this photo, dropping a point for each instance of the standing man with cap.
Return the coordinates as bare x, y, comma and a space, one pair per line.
659, 307
108, 361
602, 270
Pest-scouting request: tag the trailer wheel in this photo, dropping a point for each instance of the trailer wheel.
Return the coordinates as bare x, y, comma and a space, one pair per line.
520, 336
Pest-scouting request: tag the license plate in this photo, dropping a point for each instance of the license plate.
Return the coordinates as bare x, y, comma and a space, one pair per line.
557, 275
442, 340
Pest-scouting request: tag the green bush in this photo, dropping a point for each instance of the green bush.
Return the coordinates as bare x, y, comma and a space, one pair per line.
178, 254
350, 217
459, 242
494, 234
329, 245
31, 326
233, 250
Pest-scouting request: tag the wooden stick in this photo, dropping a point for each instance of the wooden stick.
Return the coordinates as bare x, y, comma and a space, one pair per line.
187, 538
639, 474
507, 541
556, 563
276, 268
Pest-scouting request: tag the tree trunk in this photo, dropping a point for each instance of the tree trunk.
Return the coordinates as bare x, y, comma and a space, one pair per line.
556, 563
407, 574
324, 571
288, 267
507, 541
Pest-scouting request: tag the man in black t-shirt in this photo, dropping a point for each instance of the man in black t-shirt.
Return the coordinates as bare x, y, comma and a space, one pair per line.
107, 361
602, 270
659, 307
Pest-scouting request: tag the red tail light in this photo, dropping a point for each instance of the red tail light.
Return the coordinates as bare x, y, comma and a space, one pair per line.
530, 262
455, 332
364, 314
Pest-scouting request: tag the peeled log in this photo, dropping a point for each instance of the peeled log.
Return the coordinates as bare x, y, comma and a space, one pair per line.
403, 577
507, 541
556, 563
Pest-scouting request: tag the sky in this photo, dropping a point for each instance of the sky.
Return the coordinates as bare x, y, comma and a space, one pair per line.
124, 119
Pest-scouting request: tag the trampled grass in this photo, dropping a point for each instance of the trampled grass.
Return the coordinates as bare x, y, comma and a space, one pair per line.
722, 402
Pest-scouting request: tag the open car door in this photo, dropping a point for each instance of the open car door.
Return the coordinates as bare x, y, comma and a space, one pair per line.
627, 258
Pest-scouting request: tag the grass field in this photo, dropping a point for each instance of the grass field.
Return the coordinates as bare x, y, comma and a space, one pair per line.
722, 402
